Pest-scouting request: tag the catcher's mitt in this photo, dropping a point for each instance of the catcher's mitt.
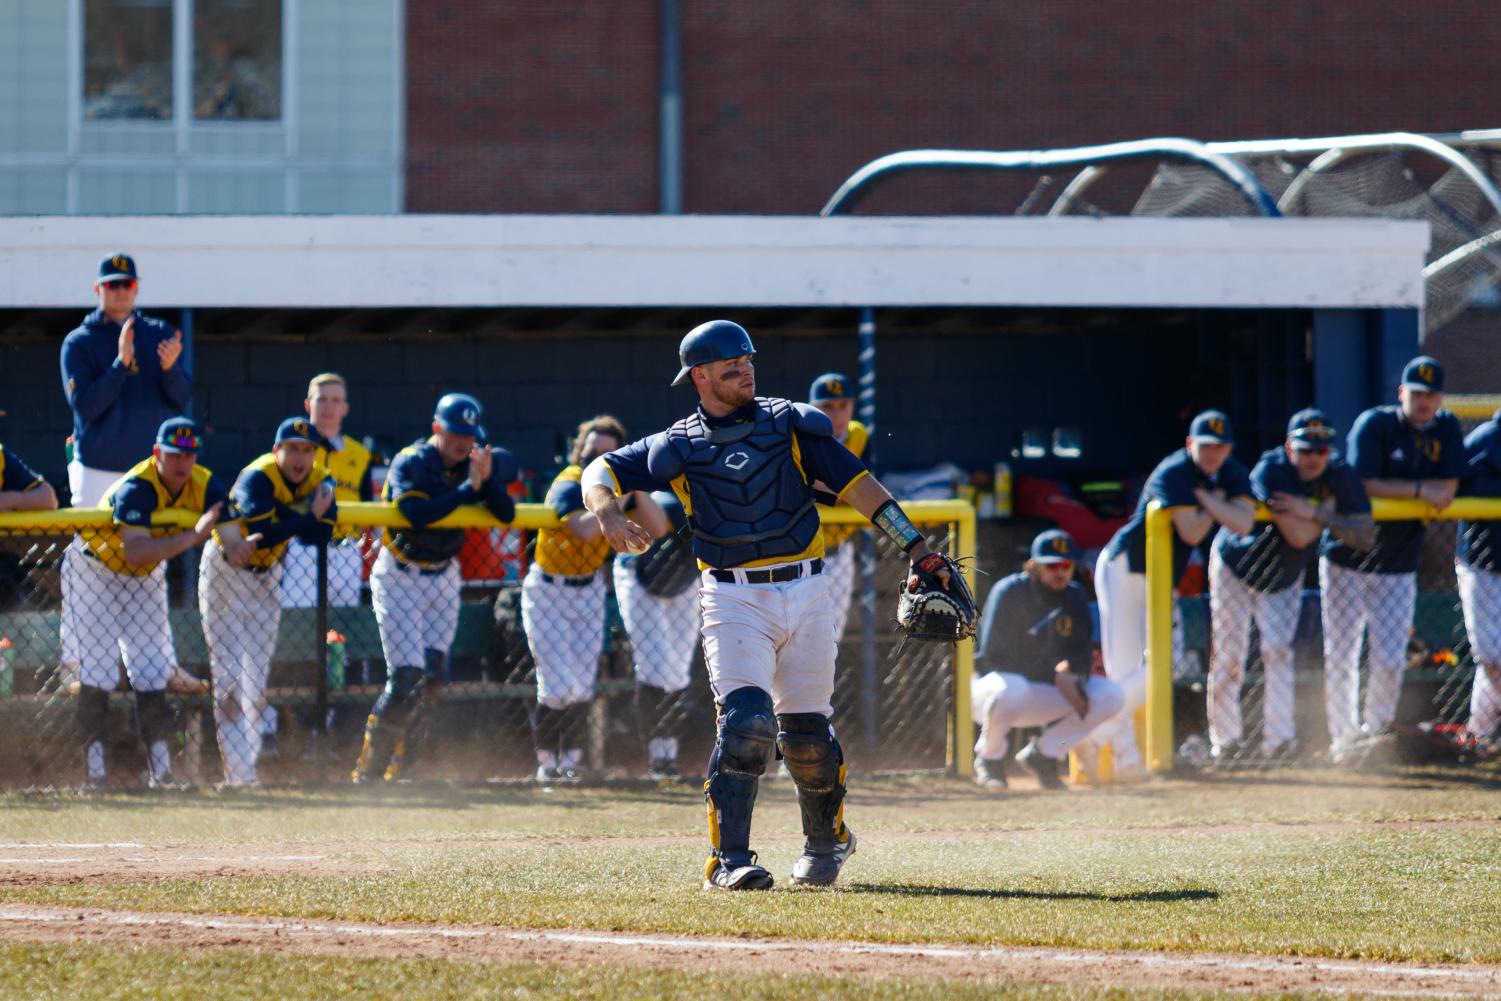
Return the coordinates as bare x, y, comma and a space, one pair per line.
926, 610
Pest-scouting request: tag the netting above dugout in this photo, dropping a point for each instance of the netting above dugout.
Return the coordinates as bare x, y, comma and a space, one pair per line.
1386, 184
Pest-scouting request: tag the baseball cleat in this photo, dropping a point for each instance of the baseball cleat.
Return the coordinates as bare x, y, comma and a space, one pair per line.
990, 774
547, 775
1044, 768
820, 862
166, 782
1224, 755
722, 875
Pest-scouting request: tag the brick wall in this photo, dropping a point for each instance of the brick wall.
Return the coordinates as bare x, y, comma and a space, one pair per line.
553, 107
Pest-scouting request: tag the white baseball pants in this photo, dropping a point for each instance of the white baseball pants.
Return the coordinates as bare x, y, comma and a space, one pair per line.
1480, 593
414, 611
775, 637
565, 626
1232, 608
1123, 645
86, 487
839, 567
122, 616
241, 611
299, 581
663, 630
1381, 606
1000, 702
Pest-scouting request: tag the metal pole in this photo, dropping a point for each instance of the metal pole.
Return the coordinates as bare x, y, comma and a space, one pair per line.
869, 673
320, 727
670, 109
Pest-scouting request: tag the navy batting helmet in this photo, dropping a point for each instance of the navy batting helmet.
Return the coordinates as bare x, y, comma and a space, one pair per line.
712, 341
460, 413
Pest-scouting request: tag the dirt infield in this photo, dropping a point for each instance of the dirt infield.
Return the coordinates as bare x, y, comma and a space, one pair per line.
1177, 971
31, 864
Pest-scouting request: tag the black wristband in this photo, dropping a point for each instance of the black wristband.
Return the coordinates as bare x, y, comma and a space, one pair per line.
891, 519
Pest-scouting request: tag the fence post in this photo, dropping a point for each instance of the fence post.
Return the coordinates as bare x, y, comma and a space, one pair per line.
963, 746
1159, 638
320, 641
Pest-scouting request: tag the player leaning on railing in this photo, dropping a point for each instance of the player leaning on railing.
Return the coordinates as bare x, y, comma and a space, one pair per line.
1411, 451
1258, 577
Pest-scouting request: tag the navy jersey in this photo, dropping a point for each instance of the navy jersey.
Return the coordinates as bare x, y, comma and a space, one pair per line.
117, 408
1172, 484
1478, 540
15, 474
1263, 558
1027, 628
1383, 446
425, 490
655, 463
279, 511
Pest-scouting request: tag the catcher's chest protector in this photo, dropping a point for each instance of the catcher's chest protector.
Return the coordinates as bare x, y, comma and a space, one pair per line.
749, 497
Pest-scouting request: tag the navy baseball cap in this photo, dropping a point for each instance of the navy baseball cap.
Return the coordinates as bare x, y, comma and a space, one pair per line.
116, 267
178, 434
1211, 426
1310, 426
830, 386
1424, 373
299, 429
461, 414
1054, 546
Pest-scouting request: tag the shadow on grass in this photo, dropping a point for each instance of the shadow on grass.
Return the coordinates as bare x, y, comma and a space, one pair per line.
1139, 897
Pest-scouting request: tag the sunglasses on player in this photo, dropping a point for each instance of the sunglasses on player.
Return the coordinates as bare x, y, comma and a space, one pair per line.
1312, 449
123, 284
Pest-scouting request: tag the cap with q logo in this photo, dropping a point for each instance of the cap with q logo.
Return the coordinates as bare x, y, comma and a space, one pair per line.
1054, 546
1212, 426
460, 413
1425, 374
299, 429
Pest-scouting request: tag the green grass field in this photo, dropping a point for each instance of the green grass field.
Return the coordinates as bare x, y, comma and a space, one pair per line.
1398, 867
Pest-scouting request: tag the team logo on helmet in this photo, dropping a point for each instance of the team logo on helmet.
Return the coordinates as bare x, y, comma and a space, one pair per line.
469, 415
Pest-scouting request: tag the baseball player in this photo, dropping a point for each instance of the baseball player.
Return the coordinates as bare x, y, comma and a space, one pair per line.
830, 393
348, 462
1478, 564
563, 609
744, 468
283, 494
658, 596
21, 489
1213, 488
122, 592
415, 584
1412, 450
1032, 667
1258, 576
123, 374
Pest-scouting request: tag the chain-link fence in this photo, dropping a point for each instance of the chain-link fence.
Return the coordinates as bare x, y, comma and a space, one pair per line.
1353, 661
210, 669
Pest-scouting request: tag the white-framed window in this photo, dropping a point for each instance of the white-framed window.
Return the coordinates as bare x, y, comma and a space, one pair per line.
128, 107
132, 60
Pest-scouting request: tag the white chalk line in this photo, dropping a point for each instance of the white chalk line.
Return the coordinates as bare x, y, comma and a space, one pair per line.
1435, 974
68, 845
215, 859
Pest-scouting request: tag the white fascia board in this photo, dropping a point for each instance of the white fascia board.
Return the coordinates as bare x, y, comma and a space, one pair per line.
582, 261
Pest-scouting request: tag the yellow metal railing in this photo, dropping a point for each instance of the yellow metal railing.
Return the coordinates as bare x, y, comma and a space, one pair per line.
1159, 707
960, 753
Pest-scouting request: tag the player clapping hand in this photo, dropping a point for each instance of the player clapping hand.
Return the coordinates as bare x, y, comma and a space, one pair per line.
167, 352
480, 459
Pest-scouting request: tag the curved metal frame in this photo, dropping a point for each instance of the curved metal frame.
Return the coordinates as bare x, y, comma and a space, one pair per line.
860, 183
1460, 254
1331, 151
